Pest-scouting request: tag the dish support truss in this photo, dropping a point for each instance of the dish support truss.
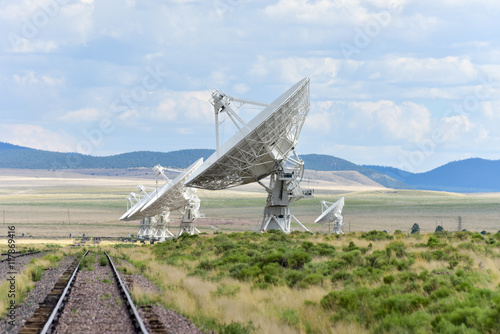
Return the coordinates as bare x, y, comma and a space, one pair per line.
284, 189
155, 228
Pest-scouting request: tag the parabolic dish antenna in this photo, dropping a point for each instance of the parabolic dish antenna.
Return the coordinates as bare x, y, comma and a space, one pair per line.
262, 147
332, 213
155, 206
173, 195
251, 154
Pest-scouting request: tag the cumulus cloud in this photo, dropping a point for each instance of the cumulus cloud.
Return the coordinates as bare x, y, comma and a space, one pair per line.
82, 115
184, 106
31, 79
324, 70
36, 136
376, 123
45, 25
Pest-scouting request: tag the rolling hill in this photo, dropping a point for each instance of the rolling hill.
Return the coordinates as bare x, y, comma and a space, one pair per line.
470, 175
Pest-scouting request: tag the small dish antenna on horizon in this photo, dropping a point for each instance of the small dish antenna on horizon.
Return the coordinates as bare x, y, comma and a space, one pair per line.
332, 214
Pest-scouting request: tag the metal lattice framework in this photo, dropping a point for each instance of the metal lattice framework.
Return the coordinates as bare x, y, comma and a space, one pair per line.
251, 154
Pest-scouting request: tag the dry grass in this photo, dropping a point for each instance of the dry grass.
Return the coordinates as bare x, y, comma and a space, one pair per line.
275, 310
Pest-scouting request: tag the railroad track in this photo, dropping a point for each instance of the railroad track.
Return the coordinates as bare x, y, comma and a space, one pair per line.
70, 308
16, 255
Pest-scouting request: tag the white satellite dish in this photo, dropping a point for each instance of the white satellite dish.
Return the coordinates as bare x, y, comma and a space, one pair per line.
135, 201
262, 147
332, 214
176, 196
154, 207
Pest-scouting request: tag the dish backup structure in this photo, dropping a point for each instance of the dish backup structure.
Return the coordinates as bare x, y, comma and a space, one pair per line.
263, 147
152, 206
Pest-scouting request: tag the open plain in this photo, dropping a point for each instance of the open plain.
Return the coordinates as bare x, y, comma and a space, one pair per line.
274, 283
43, 203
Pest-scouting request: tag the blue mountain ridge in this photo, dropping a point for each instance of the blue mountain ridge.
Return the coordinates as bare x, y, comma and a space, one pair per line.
469, 175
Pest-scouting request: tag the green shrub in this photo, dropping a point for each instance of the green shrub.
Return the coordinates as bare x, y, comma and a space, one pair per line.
342, 275
103, 260
389, 279
314, 279
376, 235
36, 273
289, 317
293, 277
297, 258
397, 248
86, 263
236, 328
226, 290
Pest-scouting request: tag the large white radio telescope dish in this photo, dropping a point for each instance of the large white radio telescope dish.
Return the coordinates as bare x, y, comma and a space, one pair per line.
263, 147
332, 213
251, 154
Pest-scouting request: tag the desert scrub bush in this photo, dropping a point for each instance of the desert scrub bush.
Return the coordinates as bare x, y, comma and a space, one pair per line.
397, 249
293, 277
342, 275
52, 258
298, 258
314, 279
236, 328
103, 260
36, 273
376, 235
321, 249
86, 263
226, 290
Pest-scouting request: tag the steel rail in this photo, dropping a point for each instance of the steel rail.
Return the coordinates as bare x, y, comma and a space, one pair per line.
56, 310
136, 318
18, 255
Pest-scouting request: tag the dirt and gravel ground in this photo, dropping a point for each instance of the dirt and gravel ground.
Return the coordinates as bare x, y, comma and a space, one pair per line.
171, 320
95, 304
18, 263
37, 295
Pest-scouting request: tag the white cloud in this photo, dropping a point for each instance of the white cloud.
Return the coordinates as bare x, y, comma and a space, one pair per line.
31, 79
82, 115
184, 107
379, 123
323, 70
447, 70
44, 25
35, 136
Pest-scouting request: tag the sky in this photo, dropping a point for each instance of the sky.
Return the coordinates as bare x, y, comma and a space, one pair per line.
408, 84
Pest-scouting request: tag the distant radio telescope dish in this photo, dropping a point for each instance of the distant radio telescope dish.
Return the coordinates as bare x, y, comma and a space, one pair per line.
173, 195
332, 214
154, 207
262, 147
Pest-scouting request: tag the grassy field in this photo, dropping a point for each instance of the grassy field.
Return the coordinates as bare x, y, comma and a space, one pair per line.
47, 205
363, 282
274, 283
